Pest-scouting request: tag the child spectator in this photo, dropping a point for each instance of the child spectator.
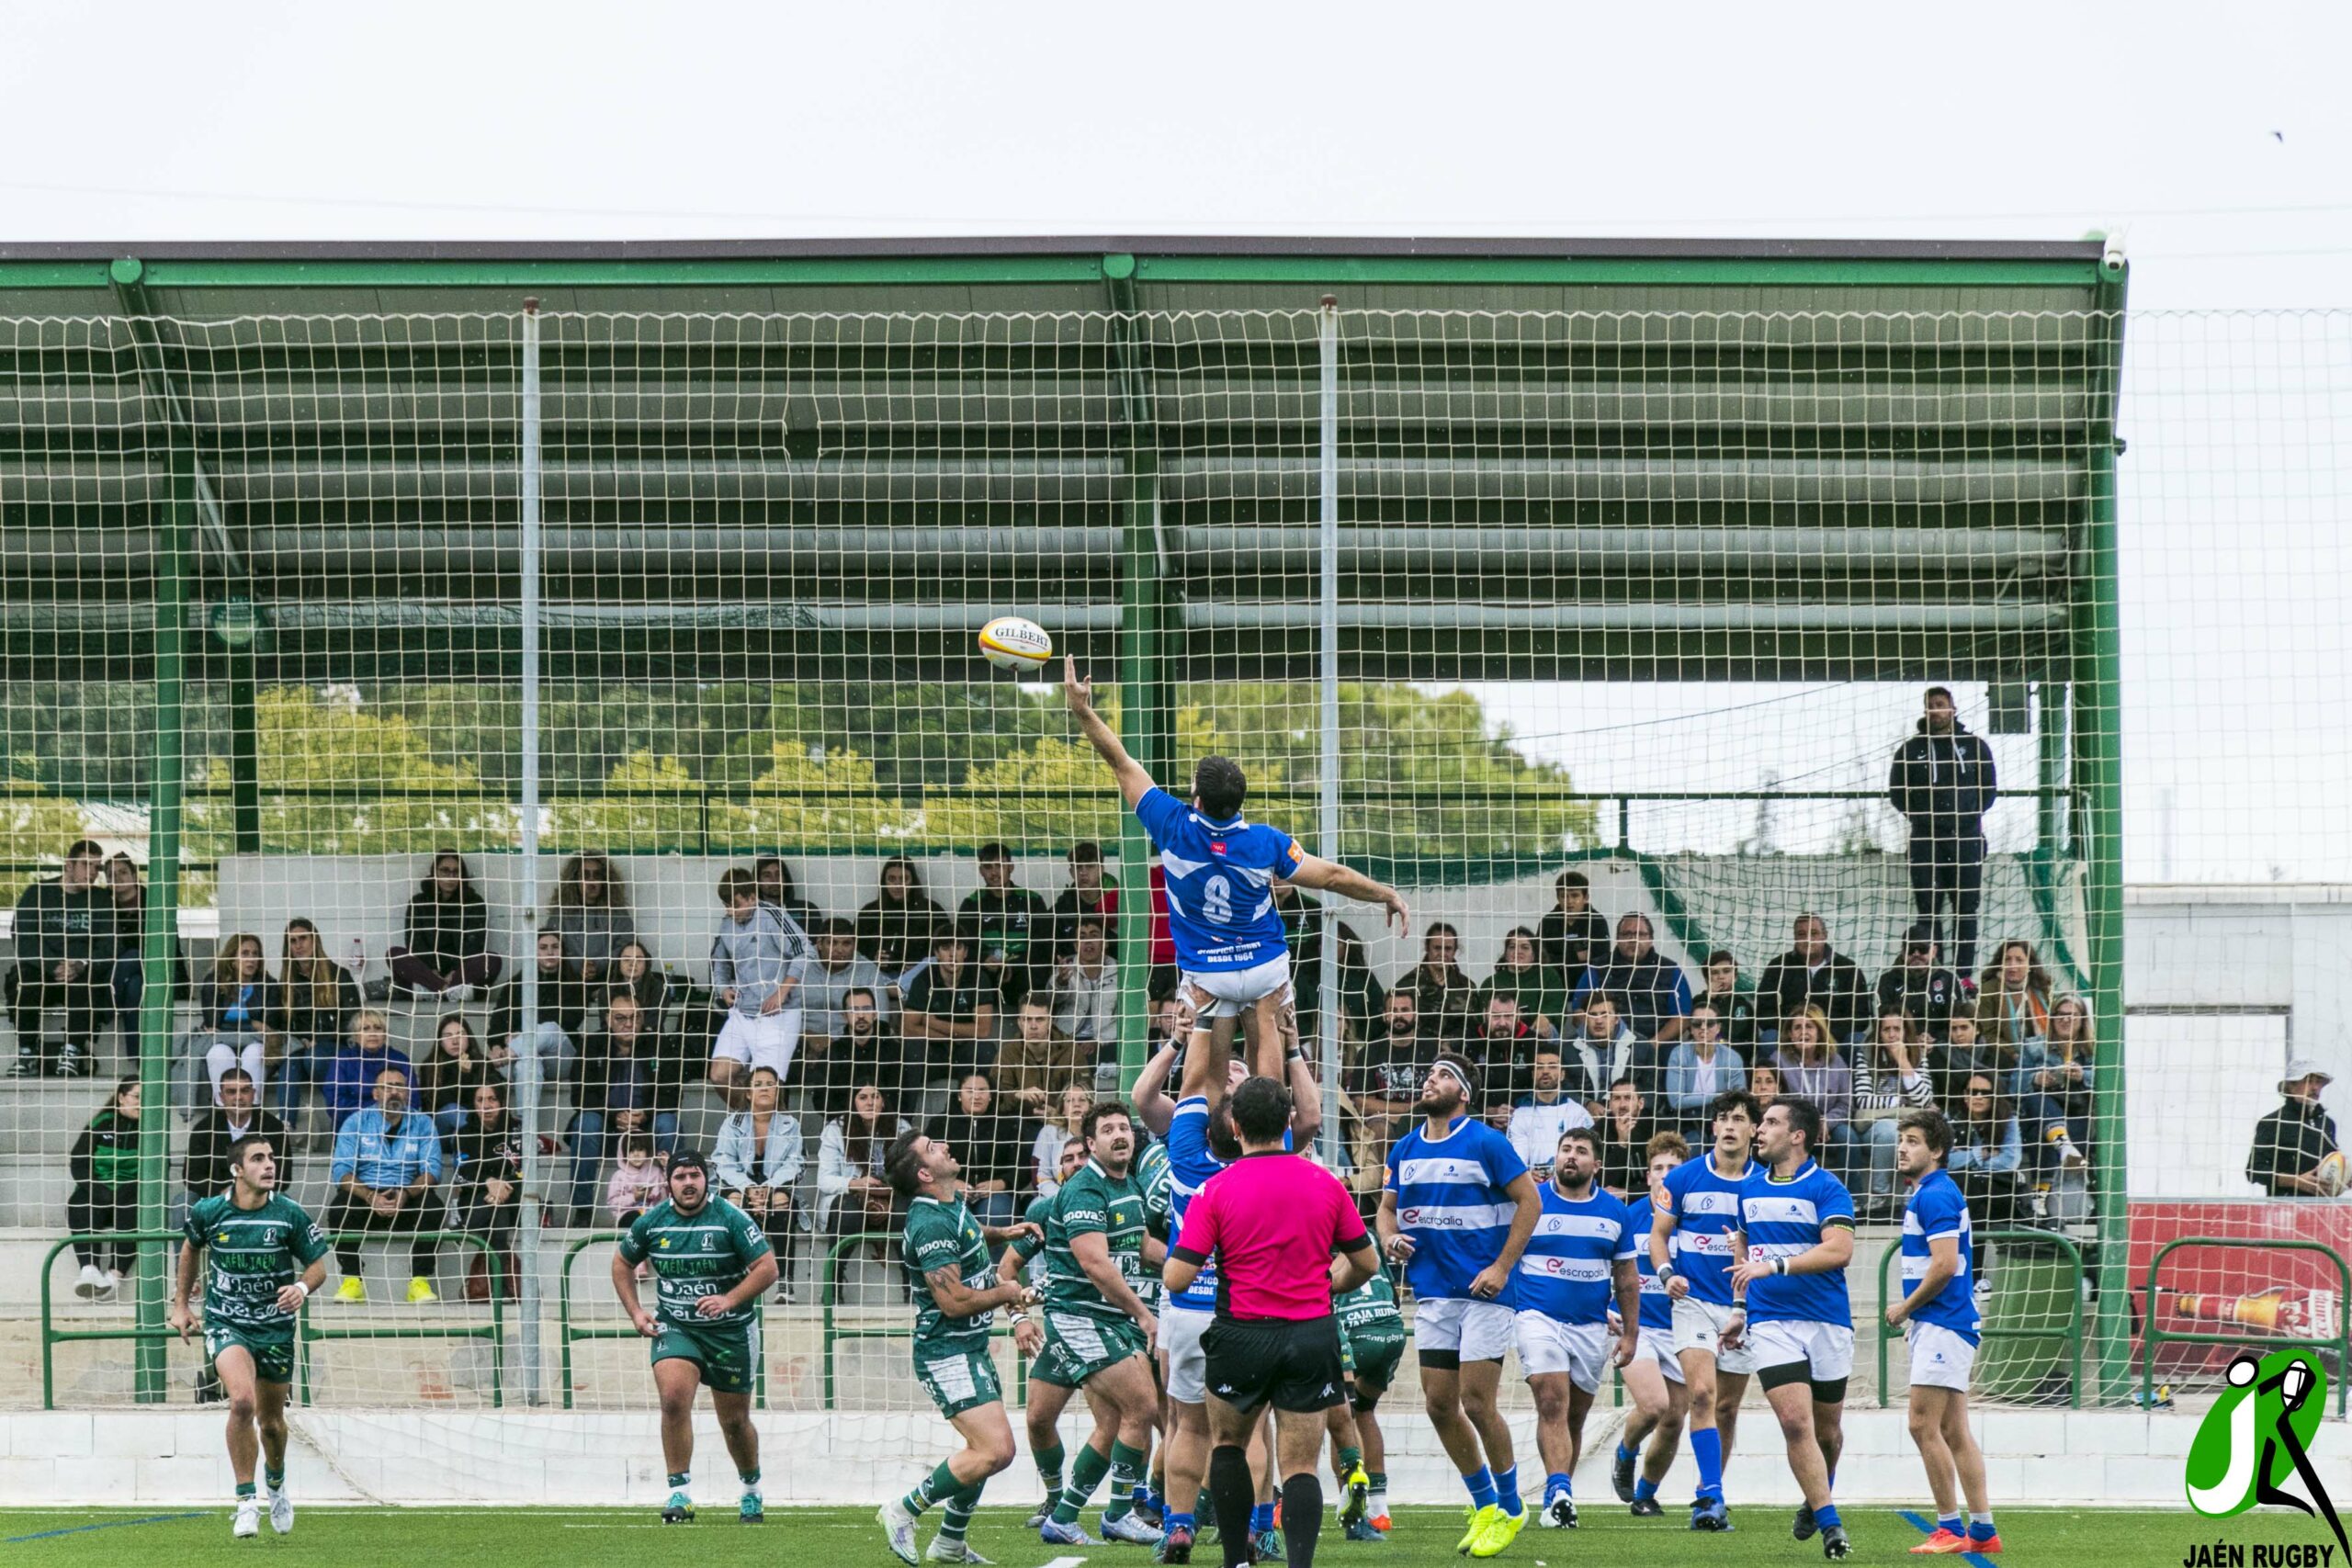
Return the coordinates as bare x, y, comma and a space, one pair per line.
757, 961
638, 1182
1573, 935
444, 948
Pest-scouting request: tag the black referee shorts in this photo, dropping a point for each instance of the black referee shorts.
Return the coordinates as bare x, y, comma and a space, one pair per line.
1292, 1364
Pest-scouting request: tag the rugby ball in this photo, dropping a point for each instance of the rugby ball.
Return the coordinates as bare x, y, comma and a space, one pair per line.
2332, 1175
1008, 642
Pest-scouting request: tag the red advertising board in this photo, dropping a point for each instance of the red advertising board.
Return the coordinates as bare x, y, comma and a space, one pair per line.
2286, 1292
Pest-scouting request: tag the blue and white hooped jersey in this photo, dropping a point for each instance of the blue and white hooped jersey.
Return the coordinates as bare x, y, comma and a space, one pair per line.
1452, 1201
1936, 1209
1567, 1271
1220, 882
1190, 1165
1705, 1210
1657, 1308
1784, 1219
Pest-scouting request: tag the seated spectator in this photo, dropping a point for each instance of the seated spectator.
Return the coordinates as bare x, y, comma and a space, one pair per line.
1735, 1004
1442, 991
387, 1161
639, 1180
1085, 995
64, 937
866, 1051
758, 961
1964, 1053
1610, 1050
950, 1017
1699, 1067
2013, 1001
1089, 892
126, 983
316, 998
894, 929
1987, 1153
234, 1006
1812, 974
1625, 1134
1764, 1083
455, 1066
1363, 1000
104, 1164
2290, 1143
616, 1095
1919, 985
487, 1189
1811, 1068
1045, 1150
1172, 1023
677, 1052
1890, 1077
1037, 1063
989, 1145
772, 880
352, 1070
1385, 1082
1501, 1055
853, 1196
1653, 994
835, 968
2055, 1092
561, 1003
217, 1127
1540, 992
590, 916
1572, 937
1545, 1112
756, 1162
444, 948
1010, 927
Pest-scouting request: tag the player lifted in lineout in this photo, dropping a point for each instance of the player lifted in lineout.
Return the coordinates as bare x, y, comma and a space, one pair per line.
1220, 873
267, 1256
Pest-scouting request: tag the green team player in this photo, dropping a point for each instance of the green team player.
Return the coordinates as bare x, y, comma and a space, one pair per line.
956, 1292
711, 1263
1371, 1344
1152, 1176
1050, 1381
1098, 1249
267, 1256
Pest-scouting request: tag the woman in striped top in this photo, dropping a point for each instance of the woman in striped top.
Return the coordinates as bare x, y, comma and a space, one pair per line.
1890, 1075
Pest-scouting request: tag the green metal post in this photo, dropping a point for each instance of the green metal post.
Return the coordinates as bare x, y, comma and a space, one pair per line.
245, 753
2098, 778
1142, 720
2051, 807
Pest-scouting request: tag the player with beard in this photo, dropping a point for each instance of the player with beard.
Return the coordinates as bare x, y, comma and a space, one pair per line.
1694, 1245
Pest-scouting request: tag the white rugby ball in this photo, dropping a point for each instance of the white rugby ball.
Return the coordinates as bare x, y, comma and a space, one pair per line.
2331, 1174
1010, 642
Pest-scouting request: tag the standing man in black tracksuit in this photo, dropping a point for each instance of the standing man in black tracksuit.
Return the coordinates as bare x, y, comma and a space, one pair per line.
1942, 782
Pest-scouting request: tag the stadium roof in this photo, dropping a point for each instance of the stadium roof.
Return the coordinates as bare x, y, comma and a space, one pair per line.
1613, 458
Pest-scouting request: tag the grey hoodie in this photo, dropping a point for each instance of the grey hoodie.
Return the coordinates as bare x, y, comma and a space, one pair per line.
757, 954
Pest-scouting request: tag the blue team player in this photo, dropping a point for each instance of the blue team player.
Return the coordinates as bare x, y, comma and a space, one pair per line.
1455, 1212
1694, 1245
1654, 1377
1578, 1273
1798, 1224
1938, 1315
1219, 872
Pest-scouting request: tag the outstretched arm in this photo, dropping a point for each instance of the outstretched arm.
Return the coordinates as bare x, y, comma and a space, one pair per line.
1134, 783
1330, 876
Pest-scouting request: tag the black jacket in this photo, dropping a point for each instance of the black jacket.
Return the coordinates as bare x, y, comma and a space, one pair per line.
1572, 944
2289, 1142
1926, 993
54, 926
207, 1168
1838, 989
1943, 781
445, 932
564, 1001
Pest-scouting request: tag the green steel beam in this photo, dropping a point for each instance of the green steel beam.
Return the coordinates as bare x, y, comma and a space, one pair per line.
2051, 813
89, 275
1727, 272
684, 274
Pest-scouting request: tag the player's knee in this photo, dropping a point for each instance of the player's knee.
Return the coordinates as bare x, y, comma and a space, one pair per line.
1925, 1424
241, 1408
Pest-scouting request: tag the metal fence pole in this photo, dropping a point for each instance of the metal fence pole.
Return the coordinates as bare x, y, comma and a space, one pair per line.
527, 1060
1326, 829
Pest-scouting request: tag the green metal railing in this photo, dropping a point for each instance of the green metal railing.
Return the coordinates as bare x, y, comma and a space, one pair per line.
901, 1328
2074, 1331
2151, 1336
569, 1332
153, 1337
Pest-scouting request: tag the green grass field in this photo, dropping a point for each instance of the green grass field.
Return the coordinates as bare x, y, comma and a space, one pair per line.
842, 1538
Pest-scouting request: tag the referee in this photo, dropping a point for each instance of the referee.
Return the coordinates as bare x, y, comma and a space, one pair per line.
1272, 1220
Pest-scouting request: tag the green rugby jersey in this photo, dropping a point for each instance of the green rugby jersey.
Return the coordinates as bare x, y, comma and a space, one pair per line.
1152, 1176
1040, 1212
706, 1253
1092, 1201
1371, 1307
250, 1255
945, 1236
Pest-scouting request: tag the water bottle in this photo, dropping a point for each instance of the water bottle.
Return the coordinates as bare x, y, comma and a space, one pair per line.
355, 958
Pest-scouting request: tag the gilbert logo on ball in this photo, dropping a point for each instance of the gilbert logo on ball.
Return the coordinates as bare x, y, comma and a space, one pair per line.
1008, 642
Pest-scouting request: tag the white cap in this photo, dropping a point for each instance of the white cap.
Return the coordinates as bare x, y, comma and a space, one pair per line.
2301, 1067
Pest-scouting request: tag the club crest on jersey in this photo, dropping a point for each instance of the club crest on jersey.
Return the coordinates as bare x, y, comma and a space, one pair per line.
1217, 846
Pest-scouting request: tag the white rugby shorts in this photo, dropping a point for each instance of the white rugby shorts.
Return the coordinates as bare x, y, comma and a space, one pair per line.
1230, 993
1546, 1344
765, 1041
1657, 1344
1825, 1348
1476, 1330
1939, 1359
1698, 1325
1180, 1335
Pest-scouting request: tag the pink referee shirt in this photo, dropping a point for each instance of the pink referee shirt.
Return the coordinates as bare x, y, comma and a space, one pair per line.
1273, 1222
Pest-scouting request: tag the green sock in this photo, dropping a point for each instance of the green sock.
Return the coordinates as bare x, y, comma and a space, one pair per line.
939, 1484
245, 1488
751, 1478
679, 1480
1379, 1479
1351, 1461
960, 1509
275, 1478
1126, 1474
1086, 1474
1049, 1468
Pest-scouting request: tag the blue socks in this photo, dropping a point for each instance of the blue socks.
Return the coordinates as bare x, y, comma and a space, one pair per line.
1645, 1489
1180, 1521
1481, 1483
1980, 1527
1557, 1485
1506, 1492
1827, 1517
1261, 1518
1953, 1524
1707, 1448
1624, 1454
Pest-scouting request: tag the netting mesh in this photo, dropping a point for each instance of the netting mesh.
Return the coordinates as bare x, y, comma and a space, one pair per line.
1634, 611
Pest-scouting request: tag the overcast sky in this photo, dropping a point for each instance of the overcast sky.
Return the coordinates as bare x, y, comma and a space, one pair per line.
2218, 147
